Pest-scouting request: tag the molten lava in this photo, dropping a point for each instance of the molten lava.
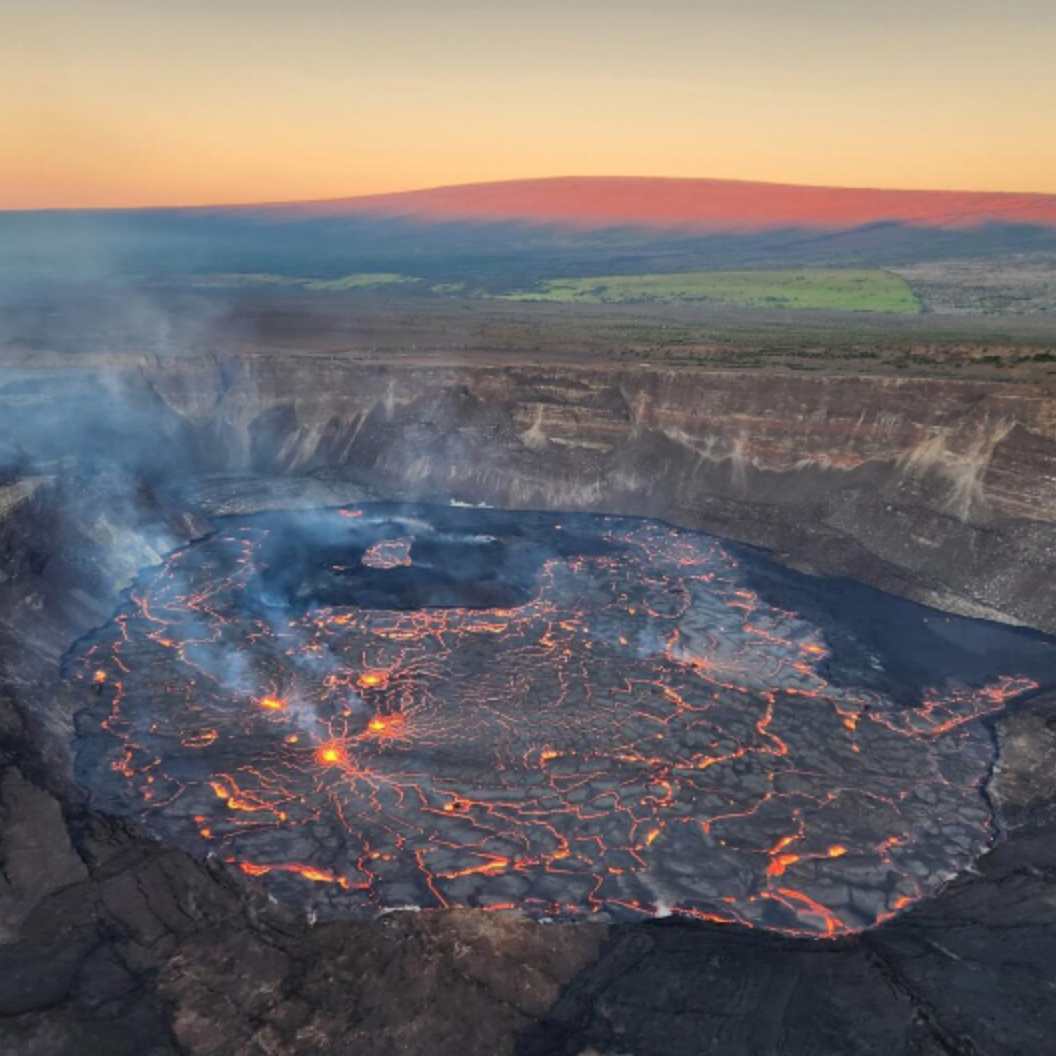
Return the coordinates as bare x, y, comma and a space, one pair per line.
388, 553
331, 755
373, 679
644, 734
387, 725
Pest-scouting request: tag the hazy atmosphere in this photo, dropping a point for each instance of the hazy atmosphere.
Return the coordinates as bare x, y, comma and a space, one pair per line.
137, 102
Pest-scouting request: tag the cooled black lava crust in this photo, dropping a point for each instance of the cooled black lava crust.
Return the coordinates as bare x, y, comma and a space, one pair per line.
571, 715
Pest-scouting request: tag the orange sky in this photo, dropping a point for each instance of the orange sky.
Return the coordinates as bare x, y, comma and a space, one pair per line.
114, 102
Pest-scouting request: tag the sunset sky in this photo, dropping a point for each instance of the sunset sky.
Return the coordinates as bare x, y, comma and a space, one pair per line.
135, 102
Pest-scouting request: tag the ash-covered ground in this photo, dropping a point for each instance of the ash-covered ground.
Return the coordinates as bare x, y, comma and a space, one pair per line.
574, 716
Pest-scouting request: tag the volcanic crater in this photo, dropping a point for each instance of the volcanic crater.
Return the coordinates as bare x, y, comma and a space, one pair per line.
575, 716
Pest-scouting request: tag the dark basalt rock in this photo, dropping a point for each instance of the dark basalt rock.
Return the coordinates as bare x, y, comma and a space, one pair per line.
114, 944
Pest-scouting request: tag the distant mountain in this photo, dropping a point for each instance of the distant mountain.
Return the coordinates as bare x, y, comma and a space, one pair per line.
496, 237
692, 205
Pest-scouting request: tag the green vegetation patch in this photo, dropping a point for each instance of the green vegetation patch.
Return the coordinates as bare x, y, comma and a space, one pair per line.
839, 289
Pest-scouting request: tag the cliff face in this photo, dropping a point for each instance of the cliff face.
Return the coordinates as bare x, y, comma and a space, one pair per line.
940, 490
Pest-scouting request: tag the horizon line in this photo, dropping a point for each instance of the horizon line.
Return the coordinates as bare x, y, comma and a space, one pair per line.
408, 191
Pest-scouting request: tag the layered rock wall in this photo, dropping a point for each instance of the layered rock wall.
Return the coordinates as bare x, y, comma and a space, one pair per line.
940, 490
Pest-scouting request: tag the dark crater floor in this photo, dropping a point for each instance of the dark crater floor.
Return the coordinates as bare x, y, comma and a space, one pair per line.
577, 717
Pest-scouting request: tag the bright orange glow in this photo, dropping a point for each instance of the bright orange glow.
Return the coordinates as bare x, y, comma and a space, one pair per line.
331, 755
802, 903
99, 677
307, 872
386, 725
492, 866
272, 703
780, 862
374, 679
177, 104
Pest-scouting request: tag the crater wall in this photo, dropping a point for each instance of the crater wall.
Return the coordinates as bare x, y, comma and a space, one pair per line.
941, 491
936, 489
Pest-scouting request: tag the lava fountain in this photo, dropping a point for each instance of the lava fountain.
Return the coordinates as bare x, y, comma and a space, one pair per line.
569, 715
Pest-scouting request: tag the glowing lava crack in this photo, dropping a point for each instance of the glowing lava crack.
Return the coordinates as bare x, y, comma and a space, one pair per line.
643, 734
